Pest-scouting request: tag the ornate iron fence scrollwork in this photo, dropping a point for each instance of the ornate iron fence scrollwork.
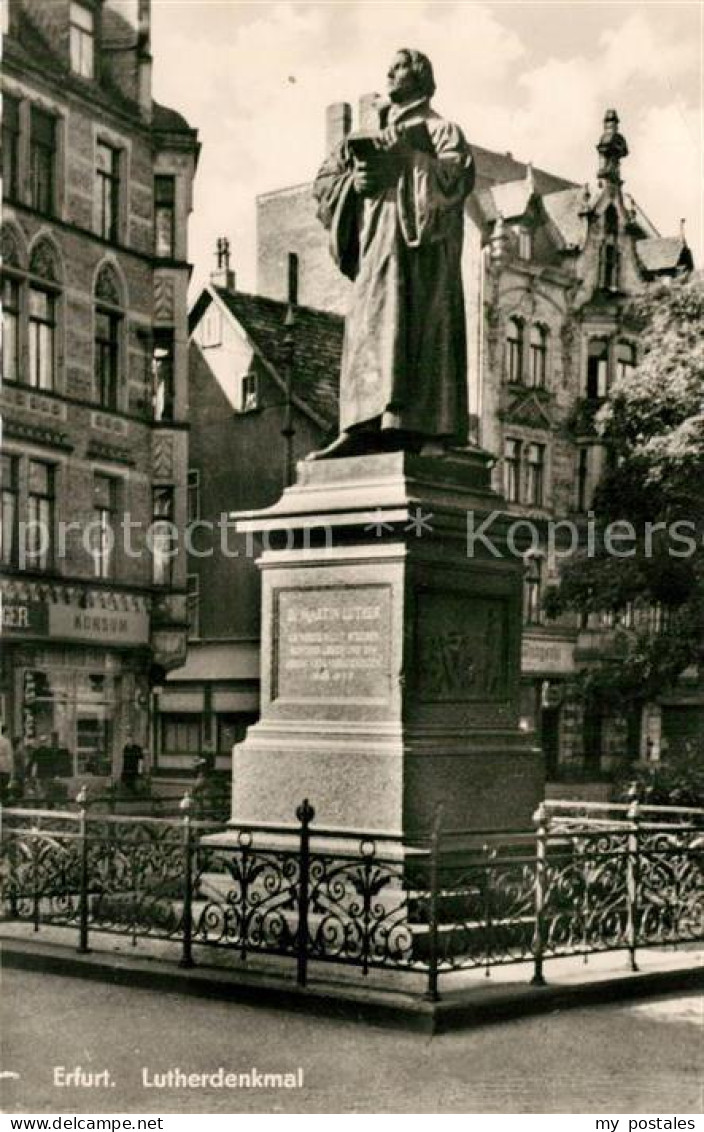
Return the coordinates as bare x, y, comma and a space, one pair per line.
588, 879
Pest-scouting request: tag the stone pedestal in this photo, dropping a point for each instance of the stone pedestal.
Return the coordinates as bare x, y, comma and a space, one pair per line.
390, 654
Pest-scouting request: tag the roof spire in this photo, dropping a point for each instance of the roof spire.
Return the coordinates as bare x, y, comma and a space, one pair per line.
612, 148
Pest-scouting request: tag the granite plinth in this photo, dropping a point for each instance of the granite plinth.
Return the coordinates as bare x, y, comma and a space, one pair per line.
390, 655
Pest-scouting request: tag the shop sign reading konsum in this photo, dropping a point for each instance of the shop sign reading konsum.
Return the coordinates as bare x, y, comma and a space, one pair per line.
99, 626
69, 623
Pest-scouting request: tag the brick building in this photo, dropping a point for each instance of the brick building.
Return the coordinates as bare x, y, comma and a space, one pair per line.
96, 197
548, 269
263, 393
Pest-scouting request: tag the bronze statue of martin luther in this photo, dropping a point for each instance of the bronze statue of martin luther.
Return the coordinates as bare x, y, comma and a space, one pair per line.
392, 201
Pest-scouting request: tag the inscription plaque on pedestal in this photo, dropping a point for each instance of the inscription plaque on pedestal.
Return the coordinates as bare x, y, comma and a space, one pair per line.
332, 643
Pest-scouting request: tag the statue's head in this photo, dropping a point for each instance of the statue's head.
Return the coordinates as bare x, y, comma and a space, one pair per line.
410, 76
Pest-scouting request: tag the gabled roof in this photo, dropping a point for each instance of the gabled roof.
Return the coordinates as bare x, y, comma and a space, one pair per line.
317, 337
498, 168
563, 209
512, 198
490, 169
664, 253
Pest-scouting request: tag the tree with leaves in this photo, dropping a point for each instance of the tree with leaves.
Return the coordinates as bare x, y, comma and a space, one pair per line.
653, 584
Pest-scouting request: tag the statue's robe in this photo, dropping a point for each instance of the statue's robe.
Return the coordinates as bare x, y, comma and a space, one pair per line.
404, 361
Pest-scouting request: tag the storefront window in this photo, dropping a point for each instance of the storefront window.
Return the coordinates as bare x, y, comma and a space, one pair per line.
180, 735
69, 719
95, 710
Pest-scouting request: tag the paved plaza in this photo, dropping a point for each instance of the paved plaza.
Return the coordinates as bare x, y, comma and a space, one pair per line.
639, 1057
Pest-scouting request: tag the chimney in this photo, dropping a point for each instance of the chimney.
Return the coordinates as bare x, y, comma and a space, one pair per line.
223, 276
292, 279
369, 111
338, 123
144, 58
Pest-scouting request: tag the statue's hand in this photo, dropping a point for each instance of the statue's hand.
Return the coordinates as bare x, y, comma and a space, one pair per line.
390, 138
365, 179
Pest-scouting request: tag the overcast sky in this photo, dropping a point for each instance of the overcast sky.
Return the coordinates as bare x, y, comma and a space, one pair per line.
532, 78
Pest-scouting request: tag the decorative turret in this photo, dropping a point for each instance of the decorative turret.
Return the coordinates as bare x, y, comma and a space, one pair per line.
499, 243
612, 148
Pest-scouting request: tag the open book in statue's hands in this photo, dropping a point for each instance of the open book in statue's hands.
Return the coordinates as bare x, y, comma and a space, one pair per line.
368, 146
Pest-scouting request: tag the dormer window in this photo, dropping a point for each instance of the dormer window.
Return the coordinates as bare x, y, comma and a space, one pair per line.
82, 33
250, 393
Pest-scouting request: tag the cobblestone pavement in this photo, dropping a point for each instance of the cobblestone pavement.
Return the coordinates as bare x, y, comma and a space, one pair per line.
640, 1057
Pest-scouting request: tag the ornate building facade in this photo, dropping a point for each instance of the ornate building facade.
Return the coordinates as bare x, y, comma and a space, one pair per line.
97, 182
549, 267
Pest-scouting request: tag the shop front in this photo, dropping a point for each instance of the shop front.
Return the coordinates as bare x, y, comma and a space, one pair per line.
548, 698
75, 681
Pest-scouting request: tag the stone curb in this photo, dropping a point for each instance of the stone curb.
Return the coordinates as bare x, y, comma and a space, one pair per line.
459, 1009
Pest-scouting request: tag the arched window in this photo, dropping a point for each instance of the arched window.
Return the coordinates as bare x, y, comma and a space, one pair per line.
109, 304
538, 356
43, 315
12, 295
514, 350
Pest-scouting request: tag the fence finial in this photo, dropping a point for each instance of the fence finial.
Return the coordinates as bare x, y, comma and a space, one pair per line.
305, 812
186, 802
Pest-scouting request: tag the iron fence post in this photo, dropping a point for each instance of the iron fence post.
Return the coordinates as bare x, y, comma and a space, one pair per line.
540, 818
14, 877
186, 959
305, 814
36, 895
632, 878
83, 895
432, 994
487, 871
244, 840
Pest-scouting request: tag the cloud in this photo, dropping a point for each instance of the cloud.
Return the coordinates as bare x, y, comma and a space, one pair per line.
259, 77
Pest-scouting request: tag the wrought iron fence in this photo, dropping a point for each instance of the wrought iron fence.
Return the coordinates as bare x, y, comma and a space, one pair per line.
588, 878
